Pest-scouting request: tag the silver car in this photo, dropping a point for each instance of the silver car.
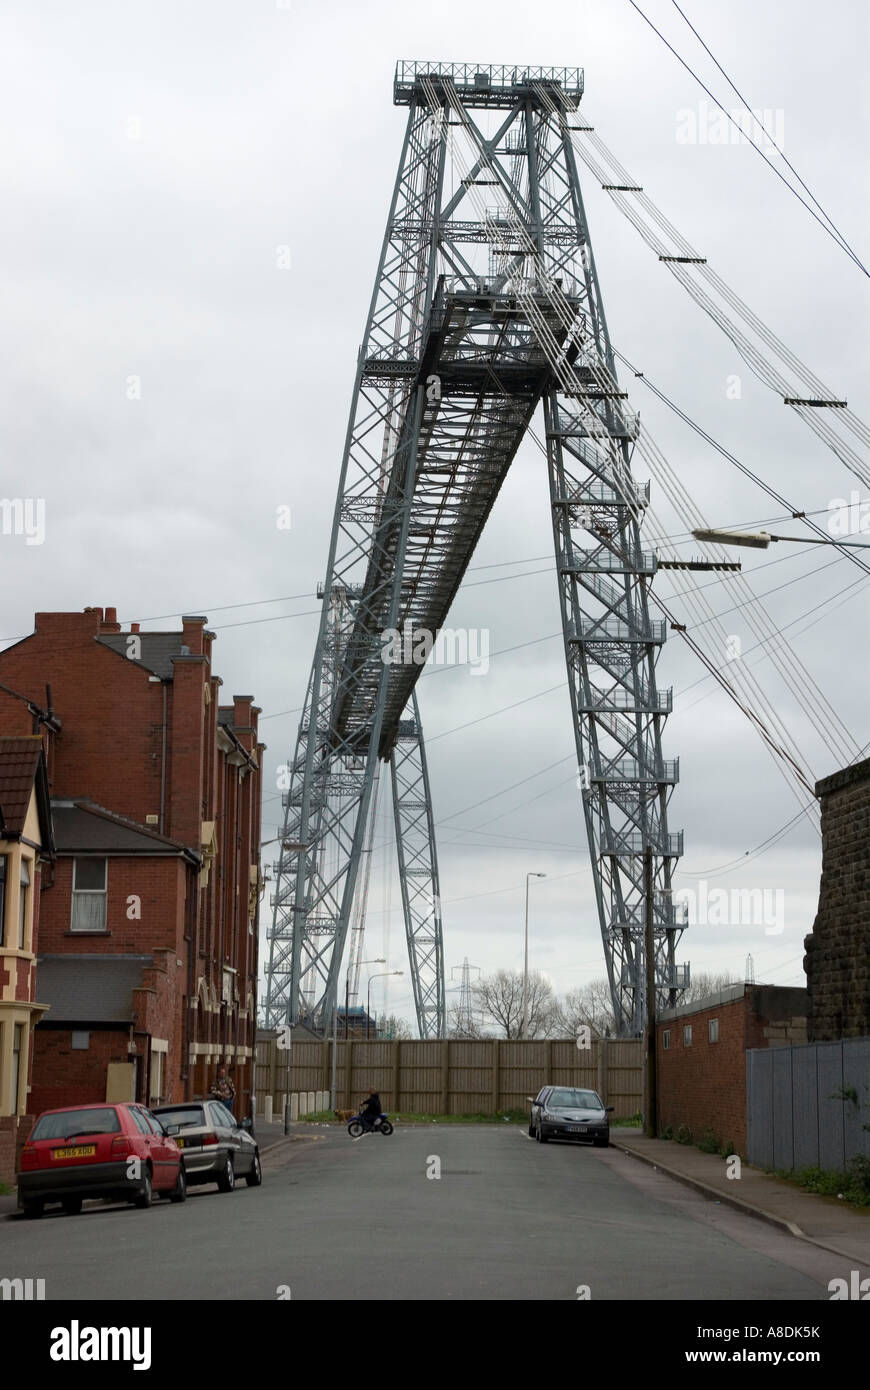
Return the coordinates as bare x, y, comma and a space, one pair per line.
214, 1146
569, 1112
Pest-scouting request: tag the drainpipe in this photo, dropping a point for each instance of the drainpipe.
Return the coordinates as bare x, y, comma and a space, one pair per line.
163, 761
190, 938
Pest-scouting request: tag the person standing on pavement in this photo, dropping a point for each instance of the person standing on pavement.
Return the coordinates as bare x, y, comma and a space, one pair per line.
224, 1090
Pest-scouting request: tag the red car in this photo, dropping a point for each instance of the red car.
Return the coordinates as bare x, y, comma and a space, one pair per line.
102, 1150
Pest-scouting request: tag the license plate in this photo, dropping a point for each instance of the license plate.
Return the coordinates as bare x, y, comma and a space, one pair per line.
180, 1143
578, 1129
78, 1151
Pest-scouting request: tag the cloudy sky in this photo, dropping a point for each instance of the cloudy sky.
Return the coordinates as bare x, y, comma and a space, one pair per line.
155, 161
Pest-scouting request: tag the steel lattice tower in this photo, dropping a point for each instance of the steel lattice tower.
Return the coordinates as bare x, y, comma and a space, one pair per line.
486, 304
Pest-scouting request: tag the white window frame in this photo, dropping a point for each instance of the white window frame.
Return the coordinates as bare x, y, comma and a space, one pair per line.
666, 1039
89, 893
25, 888
713, 1030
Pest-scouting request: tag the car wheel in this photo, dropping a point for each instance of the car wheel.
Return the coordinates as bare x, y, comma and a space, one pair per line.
255, 1176
227, 1180
145, 1197
179, 1191
72, 1205
33, 1207
541, 1136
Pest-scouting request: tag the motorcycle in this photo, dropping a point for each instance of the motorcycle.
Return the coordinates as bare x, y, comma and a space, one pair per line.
358, 1127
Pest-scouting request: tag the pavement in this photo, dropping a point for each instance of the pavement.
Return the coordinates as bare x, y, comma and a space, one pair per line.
476, 1212
826, 1222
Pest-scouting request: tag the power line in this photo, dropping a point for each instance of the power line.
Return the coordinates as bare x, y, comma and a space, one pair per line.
760, 123
826, 229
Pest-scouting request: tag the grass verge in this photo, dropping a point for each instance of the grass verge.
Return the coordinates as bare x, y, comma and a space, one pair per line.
851, 1186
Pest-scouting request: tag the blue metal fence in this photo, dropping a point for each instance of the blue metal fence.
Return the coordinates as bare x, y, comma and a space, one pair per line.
808, 1106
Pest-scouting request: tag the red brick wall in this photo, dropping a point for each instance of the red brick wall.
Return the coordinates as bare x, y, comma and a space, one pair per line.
704, 1086
62, 1076
109, 746
13, 1136
160, 886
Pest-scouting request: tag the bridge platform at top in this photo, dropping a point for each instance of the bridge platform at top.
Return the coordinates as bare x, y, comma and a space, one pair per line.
487, 84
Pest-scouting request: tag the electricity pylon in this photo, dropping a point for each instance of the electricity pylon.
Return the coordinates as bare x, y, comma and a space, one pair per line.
486, 305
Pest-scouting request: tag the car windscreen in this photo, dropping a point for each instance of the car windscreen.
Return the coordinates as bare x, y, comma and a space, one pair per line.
573, 1100
69, 1122
181, 1117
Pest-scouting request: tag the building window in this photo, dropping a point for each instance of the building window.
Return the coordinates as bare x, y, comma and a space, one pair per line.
17, 1045
89, 895
713, 1030
80, 1039
2, 899
22, 903
666, 1039
687, 1035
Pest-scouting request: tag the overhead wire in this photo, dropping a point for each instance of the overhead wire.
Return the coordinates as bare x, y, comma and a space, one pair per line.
833, 234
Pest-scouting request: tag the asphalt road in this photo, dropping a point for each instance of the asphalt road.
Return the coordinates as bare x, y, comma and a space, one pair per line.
507, 1219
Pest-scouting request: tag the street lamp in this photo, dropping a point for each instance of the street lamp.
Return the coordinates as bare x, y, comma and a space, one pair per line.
526, 957
381, 976
760, 540
379, 960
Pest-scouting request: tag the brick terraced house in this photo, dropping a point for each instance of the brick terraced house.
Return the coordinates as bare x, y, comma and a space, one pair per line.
148, 943
26, 848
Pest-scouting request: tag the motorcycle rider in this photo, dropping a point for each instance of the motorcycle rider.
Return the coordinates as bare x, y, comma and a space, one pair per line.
371, 1110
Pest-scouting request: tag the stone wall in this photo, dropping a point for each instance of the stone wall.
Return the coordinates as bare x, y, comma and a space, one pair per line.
837, 961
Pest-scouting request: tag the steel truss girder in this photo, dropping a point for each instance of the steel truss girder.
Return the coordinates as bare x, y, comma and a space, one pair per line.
463, 339
418, 874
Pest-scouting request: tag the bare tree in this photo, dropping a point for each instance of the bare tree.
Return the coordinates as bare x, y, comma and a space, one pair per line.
704, 984
393, 1028
589, 1005
463, 1025
499, 1000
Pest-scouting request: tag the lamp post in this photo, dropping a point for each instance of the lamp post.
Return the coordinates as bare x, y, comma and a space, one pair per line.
760, 540
526, 958
334, 1093
380, 976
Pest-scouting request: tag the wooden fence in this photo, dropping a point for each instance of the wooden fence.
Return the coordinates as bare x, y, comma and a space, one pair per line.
450, 1077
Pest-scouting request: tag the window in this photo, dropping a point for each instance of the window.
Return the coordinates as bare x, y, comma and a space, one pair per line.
2, 898
564, 1099
687, 1035
713, 1030
17, 1045
80, 1040
221, 1116
61, 1124
89, 895
22, 903
666, 1038
140, 1122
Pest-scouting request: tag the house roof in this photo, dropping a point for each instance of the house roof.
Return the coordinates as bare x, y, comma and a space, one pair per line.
22, 769
89, 988
157, 649
83, 827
